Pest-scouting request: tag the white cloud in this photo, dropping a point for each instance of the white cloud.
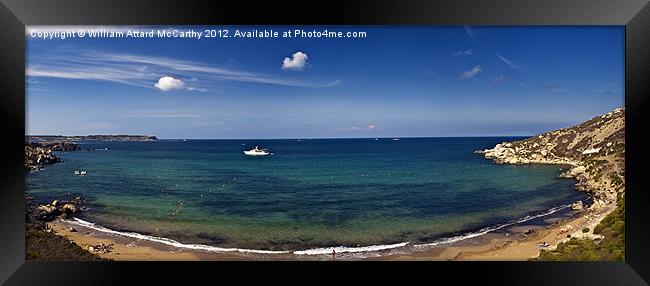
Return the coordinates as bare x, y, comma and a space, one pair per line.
509, 63
166, 83
470, 73
128, 69
298, 61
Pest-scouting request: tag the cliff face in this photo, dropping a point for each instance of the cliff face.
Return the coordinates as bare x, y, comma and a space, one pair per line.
595, 149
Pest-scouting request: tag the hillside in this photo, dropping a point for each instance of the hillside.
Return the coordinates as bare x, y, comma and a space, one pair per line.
595, 150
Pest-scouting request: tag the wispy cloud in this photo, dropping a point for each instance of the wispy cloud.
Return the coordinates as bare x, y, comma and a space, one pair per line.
431, 73
470, 73
357, 128
32, 81
172, 116
509, 63
145, 71
467, 52
498, 79
603, 91
551, 87
469, 31
92, 126
164, 113
196, 89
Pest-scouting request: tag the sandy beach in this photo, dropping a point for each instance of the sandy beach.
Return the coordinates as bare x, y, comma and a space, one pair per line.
600, 175
518, 243
501, 248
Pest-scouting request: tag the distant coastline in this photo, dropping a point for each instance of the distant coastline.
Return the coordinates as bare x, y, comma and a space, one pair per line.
593, 149
80, 138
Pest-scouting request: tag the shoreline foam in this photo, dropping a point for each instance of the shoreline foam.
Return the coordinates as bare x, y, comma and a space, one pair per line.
369, 249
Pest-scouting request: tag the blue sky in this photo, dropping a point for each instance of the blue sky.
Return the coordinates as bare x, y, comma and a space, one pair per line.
396, 82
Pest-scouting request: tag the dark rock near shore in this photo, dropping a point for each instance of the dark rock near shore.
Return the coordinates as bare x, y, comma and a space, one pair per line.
57, 208
37, 156
43, 243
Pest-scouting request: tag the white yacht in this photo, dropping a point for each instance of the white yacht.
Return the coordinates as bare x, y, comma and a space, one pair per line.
257, 152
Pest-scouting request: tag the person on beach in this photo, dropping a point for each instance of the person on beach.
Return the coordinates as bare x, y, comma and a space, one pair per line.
333, 253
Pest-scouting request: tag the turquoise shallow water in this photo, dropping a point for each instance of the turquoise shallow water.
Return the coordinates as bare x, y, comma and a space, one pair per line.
309, 193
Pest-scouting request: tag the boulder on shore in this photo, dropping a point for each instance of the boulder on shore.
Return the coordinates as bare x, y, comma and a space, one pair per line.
577, 206
57, 208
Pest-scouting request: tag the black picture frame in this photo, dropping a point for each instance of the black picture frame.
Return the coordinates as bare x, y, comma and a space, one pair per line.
16, 14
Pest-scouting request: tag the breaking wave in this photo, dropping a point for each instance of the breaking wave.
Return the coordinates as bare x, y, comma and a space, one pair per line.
314, 251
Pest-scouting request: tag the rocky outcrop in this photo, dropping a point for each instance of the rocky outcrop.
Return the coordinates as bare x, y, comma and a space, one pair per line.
37, 156
595, 150
56, 208
42, 242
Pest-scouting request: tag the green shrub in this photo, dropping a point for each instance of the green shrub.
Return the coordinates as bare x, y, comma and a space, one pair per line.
610, 247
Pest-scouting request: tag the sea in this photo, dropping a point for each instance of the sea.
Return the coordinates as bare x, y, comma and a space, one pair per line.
307, 197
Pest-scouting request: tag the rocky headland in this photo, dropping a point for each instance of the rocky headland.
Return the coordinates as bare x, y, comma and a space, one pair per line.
595, 153
37, 155
595, 150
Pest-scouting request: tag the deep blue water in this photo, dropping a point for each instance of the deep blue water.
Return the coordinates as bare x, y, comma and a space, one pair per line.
309, 193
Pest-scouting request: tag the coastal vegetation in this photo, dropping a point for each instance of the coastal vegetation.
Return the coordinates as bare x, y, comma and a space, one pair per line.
42, 243
596, 151
610, 247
